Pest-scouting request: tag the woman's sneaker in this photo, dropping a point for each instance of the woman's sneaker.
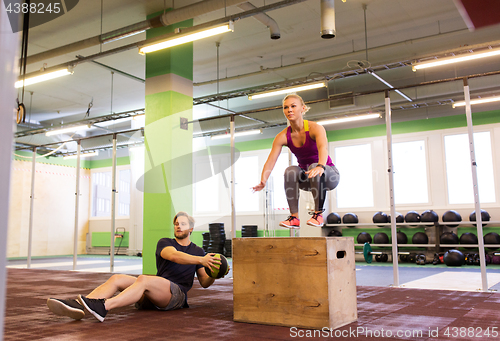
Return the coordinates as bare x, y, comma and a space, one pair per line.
291, 222
316, 220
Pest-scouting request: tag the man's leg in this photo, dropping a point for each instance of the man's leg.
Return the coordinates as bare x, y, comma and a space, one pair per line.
112, 285
156, 288
73, 309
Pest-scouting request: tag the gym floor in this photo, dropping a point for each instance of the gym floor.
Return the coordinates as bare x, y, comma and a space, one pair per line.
464, 278
403, 313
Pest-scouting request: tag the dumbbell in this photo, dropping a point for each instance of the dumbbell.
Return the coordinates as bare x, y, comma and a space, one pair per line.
368, 254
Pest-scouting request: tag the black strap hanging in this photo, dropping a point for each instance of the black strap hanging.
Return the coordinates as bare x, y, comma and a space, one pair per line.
21, 110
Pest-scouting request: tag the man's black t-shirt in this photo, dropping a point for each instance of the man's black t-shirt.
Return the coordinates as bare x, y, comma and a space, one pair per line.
180, 274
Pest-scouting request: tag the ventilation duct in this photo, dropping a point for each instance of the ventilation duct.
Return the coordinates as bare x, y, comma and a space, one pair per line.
263, 18
327, 19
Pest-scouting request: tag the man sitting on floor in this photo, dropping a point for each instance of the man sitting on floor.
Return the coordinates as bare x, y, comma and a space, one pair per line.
176, 262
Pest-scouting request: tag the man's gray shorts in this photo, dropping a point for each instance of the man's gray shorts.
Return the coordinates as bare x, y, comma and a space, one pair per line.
177, 300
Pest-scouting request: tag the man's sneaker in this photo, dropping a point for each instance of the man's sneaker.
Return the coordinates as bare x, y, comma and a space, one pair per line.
291, 222
70, 308
95, 306
316, 220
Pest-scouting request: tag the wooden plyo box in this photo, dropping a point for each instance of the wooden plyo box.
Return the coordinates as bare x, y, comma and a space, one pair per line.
307, 282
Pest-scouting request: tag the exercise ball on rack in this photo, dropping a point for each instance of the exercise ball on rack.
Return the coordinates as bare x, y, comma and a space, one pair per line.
454, 258
468, 238
402, 238
364, 237
492, 238
429, 216
485, 216
451, 215
399, 218
380, 238
350, 218
380, 218
335, 233
412, 217
448, 238
333, 218
420, 238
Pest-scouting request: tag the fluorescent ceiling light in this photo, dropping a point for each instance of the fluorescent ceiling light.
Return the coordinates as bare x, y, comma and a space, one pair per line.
349, 119
456, 59
287, 90
123, 36
187, 38
477, 101
43, 76
241, 133
74, 156
111, 122
389, 85
67, 130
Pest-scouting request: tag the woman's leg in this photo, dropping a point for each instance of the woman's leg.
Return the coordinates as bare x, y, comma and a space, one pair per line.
320, 185
294, 175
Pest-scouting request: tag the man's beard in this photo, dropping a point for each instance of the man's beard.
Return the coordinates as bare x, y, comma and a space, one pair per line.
182, 235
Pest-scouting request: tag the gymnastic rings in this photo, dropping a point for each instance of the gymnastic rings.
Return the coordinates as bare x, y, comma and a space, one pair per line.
20, 113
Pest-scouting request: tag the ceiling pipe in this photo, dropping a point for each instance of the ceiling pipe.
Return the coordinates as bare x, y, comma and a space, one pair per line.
164, 19
328, 19
265, 19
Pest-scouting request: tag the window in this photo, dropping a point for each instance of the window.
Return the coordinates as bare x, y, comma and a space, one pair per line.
101, 193
410, 172
458, 168
206, 189
355, 188
124, 193
277, 184
246, 176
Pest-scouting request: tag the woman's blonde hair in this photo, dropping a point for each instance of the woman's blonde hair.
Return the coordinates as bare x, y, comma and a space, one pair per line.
297, 97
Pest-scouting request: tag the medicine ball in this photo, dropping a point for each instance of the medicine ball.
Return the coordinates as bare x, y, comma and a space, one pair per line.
454, 258
350, 218
420, 238
485, 216
412, 217
402, 238
492, 238
468, 238
221, 271
495, 260
448, 238
429, 216
335, 233
380, 218
380, 238
399, 218
364, 237
451, 215
333, 218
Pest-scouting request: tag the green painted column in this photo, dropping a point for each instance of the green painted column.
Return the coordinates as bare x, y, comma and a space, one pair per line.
168, 148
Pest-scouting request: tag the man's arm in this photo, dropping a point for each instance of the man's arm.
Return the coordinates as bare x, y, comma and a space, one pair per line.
179, 257
204, 279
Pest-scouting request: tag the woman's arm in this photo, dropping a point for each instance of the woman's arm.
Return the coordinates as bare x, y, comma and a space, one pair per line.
278, 143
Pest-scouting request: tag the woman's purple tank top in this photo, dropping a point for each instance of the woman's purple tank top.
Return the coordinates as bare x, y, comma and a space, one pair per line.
308, 153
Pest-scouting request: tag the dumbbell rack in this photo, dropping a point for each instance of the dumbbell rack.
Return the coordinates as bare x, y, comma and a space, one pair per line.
438, 228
